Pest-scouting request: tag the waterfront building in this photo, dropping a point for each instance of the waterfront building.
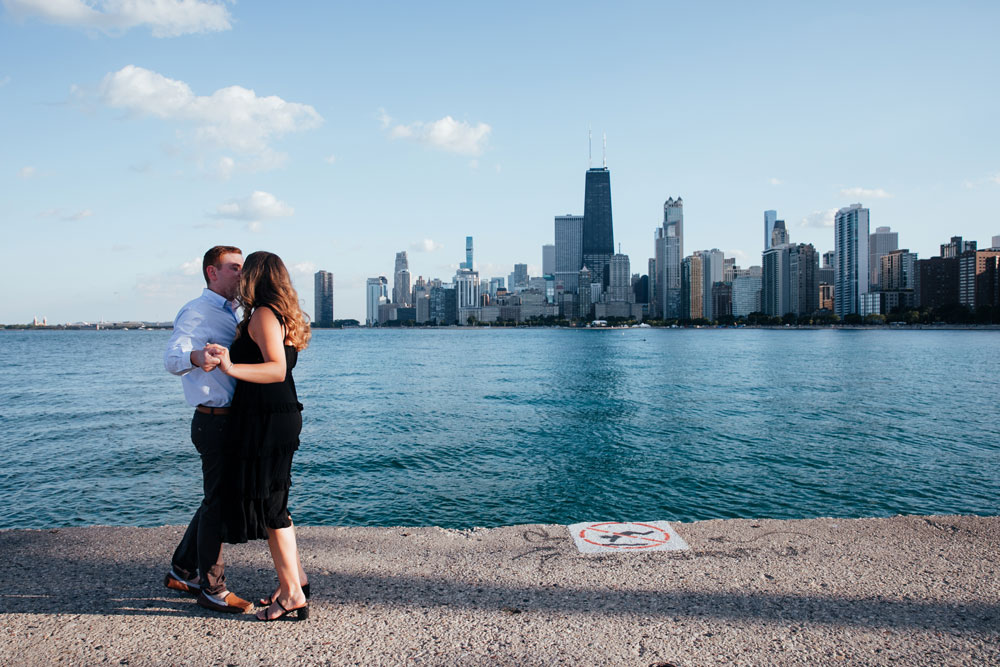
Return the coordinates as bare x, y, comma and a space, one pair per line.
880, 243
851, 271
896, 270
323, 298
996, 242
422, 306
936, 281
585, 301
722, 299
770, 218
655, 309
376, 293
693, 287
803, 266
746, 291
971, 265
775, 292
548, 259
712, 266
988, 282
443, 305
598, 232
569, 250
467, 289
467, 264
401, 279
496, 284
669, 252
640, 288
620, 283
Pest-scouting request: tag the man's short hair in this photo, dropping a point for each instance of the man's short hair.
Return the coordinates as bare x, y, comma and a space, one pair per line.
213, 255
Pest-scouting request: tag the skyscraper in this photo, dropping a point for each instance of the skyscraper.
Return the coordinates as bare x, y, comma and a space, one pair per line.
880, 243
803, 283
569, 250
779, 235
467, 264
376, 291
401, 280
712, 265
669, 253
598, 234
770, 217
850, 230
620, 280
548, 259
518, 279
323, 298
775, 290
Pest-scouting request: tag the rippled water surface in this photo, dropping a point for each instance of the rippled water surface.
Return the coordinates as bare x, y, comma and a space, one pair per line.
464, 428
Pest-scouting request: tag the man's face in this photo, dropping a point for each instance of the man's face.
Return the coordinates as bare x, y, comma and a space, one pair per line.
224, 278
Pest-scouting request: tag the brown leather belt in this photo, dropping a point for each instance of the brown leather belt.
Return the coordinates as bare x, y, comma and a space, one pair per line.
206, 410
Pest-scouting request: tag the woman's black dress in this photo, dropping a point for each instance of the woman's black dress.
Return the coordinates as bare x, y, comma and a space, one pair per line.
262, 435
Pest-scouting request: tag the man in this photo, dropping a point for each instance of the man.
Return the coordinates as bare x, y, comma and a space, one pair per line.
211, 318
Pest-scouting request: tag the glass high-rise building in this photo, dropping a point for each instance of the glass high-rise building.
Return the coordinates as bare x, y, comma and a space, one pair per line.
401, 280
669, 254
467, 264
598, 232
569, 250
548, 259
851, 275
770, 217
376, 292
323, 298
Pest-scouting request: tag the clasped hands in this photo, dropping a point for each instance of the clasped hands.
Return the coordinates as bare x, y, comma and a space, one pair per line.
211, 357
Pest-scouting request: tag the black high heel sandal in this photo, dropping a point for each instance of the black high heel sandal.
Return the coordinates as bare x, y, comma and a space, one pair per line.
267, 602
301, 613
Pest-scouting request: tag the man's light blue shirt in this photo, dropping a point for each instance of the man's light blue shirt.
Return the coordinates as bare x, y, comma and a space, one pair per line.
210, 318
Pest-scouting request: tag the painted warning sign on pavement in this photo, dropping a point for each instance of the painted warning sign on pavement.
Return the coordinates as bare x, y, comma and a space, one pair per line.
608, 536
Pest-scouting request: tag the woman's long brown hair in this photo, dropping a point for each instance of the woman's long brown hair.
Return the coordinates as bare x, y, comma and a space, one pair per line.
265, 282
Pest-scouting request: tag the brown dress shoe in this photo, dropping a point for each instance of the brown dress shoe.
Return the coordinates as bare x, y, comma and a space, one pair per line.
230, 603
174, 582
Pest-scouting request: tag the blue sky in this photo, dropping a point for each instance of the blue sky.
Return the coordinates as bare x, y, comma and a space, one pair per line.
137, 134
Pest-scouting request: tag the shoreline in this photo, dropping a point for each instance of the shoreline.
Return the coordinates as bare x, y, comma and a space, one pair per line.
916, 589
482, 327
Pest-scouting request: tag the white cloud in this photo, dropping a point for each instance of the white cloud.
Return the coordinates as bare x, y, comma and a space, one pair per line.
866, 193
426, 245
166, 18
192, 267
330, 159
232, 118
775, 181
225, 167
304, 269
384, 119
820, 219
255, 209
79, 215
447, 134
26, 172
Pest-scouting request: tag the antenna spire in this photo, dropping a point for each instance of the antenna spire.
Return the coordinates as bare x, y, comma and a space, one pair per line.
604, 155
590, 148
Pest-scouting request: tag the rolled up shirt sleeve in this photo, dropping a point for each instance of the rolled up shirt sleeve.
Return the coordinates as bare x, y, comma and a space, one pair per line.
188, 336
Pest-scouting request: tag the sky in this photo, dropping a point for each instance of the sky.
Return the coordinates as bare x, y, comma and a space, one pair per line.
136, 134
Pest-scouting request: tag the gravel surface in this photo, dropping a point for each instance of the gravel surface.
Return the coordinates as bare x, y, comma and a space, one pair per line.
904, 590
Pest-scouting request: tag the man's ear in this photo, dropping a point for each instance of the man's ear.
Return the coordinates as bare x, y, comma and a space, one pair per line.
212, 272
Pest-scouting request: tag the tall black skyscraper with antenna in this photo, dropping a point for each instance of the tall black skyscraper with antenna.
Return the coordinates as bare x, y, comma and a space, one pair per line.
598, 233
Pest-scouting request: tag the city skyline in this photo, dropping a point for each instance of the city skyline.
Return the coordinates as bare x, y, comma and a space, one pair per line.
135, 142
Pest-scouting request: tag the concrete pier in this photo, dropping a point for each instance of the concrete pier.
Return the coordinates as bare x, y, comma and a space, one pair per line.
903, 590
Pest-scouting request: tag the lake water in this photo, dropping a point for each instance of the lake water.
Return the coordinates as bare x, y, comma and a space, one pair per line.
462, 428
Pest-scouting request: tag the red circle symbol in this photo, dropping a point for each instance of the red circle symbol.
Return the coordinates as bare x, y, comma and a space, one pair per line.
615, 535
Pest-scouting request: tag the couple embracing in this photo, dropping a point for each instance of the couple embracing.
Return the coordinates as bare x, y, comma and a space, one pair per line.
236, 371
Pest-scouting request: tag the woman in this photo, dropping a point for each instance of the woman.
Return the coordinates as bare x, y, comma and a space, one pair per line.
264, 425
